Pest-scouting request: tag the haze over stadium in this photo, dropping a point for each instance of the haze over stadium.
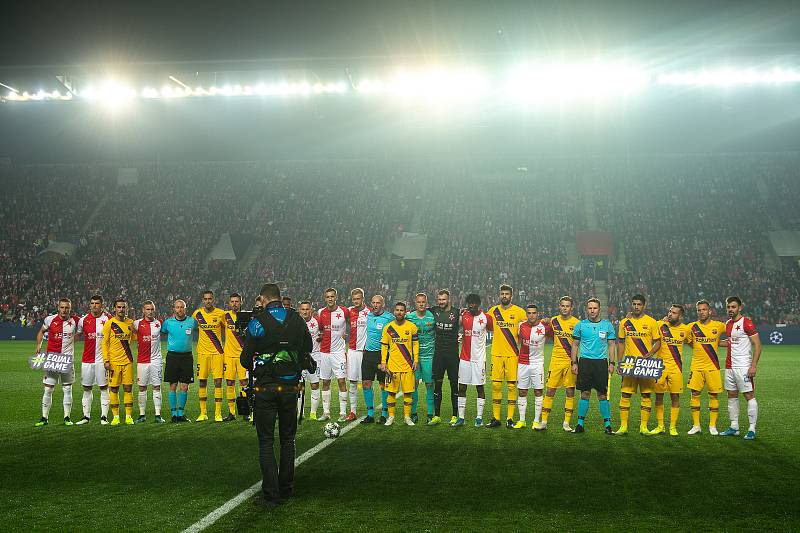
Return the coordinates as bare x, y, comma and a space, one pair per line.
597, 150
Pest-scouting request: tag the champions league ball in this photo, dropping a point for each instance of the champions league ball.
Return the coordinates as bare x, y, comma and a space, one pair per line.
331, 430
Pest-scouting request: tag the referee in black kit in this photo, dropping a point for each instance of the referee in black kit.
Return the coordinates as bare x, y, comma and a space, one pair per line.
277, 347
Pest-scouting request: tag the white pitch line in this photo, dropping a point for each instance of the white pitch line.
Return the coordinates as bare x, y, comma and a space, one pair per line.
234, 502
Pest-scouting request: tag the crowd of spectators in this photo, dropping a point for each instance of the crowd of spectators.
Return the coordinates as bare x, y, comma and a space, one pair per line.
688, 227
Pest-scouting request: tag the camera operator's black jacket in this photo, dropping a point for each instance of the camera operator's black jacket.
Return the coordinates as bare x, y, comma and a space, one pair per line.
282, 352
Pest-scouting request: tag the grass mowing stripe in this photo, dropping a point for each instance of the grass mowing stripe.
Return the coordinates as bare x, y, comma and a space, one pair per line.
231, 504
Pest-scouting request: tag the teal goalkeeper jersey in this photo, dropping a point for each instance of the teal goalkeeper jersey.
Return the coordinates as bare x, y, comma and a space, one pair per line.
426, 328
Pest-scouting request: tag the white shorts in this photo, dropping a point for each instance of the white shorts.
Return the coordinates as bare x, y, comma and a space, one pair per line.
736, 380
53, 378
354, 358
471, 372
93, 374
313, 378
149, 374
333, 365
531, 376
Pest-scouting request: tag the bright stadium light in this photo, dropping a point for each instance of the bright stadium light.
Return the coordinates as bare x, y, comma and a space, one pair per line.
727, 77
579, 81
431, 84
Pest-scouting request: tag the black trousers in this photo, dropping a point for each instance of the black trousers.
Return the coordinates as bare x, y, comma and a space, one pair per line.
276, 404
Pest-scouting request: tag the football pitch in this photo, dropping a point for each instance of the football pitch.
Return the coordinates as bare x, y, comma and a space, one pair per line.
167, 477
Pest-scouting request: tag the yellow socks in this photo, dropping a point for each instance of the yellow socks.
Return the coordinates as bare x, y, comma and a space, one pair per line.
547, 405
512, 400
203, 392
695, 403
407, 401
113, 401
127, 399
645, 411
674, 412
624, 411
390, 402
713, 411
660, 414
569, 406
230, 394
497, 397
218, 401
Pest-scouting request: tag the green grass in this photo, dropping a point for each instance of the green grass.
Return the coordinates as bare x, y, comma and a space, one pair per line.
164, 478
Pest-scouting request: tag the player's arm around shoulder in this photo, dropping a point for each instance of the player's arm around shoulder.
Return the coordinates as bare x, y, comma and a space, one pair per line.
576, 344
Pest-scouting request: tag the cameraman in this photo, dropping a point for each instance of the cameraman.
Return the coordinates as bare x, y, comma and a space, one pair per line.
277, 347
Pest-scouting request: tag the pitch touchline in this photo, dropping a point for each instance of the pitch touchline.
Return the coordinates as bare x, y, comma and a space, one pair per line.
234, 502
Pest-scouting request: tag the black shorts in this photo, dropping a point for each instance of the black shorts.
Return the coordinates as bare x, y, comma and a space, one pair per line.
179, 368
445, 362
592, 374
369, 367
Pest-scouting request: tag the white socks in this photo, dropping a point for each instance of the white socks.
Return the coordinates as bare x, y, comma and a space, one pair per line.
537, 409
354, 396
462, 406
733, 412
104, 402
314, 400
67, 390
481, 401
142, 402
157, 401
342, 404
752, 413
326, 402
522, 406
86, 403
47, 401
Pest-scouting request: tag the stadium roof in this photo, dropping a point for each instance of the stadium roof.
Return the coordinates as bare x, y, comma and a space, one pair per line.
314, 34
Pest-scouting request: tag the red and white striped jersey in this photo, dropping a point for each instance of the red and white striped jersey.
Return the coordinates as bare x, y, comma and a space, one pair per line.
313, 330
148, 340
92, 328
476, 328
334, 326
740, 350
61, 333
358, 327
532, 340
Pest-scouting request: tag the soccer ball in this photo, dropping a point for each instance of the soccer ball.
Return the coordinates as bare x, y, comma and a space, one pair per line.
331, 430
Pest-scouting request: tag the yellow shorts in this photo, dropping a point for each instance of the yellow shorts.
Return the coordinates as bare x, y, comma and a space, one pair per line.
504, 368
670, 381
708, 378
232, 369
210, 362
560, 375
120, 375
400, 379
630, 384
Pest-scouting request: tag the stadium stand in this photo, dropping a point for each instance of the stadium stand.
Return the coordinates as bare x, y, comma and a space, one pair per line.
328, 223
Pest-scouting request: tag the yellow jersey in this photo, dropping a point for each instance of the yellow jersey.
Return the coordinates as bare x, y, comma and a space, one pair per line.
672, 340
562, 337
639, 334
705, 343
210, 323
399, 346
117, 336
233, 339
506, 330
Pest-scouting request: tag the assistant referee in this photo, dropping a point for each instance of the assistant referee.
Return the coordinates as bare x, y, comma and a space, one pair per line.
592, 340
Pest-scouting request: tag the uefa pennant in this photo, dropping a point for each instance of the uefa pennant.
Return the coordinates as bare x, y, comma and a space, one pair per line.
642, 367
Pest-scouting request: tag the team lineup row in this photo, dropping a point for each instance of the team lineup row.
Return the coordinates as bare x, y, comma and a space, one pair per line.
361, 344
